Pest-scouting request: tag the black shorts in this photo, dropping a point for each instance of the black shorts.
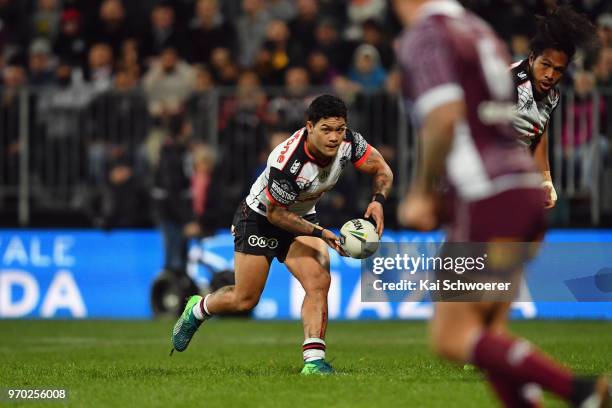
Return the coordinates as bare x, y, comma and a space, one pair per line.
255, 235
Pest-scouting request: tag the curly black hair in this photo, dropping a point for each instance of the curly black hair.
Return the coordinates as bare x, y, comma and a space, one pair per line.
565, 30
326, 106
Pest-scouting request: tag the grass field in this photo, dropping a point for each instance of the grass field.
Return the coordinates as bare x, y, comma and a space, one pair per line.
256, 364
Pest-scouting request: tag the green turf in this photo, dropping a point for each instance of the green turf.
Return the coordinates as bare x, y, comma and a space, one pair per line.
247, 363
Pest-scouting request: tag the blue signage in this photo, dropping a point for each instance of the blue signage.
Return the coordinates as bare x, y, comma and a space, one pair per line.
95, 274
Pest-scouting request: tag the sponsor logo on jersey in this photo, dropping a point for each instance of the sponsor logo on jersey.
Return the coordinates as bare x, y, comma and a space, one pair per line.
522, 75
295, 167
279, 192
281, 157
262, 242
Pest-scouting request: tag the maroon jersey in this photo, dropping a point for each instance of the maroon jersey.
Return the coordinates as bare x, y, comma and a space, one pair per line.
452, 55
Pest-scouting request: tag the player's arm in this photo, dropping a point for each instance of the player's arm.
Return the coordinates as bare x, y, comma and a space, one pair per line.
282, 191
285, 219
382, 180
540, 155
419, 209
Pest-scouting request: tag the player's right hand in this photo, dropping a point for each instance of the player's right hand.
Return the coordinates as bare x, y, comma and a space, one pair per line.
418, 211
333, 241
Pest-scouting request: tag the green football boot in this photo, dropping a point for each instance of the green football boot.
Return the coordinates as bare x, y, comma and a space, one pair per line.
317, 367
186, 325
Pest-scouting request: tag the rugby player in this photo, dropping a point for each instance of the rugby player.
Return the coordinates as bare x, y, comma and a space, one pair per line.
278, 220
455, 73
536, 79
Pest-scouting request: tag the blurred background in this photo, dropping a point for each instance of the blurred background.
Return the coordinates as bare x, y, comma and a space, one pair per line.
142, 124
108, 107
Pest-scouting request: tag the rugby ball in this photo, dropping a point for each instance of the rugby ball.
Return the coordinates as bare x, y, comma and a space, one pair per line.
358, 238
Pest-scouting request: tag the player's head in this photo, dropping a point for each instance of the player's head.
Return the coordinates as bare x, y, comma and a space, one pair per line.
326, 124
558, 35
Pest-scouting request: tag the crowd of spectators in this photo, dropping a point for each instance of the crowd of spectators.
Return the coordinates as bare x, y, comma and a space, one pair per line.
116, 75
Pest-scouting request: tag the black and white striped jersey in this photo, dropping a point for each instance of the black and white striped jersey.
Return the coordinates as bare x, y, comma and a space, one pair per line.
532, 116
295, 180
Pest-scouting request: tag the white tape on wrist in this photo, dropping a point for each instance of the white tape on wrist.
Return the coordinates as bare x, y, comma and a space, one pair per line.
553, 192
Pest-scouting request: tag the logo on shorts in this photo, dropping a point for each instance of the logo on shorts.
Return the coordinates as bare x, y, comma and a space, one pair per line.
263, 242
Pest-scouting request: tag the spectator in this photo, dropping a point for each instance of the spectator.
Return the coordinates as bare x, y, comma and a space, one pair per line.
374, 35
41, 71
358, 12
119, 122
162, 32
209, 31
225, 71
168, 83
111, 27
58, 130
367, 71
243, 120
123, 201
200, 106
206, 192
320, 70
129, 59
284, 10
329, 42
287, 111
70, 44
13, 78
14, 26
303, 26
172, 196
277, 53
251, 30
100, 68
604, 29
519, 46
577, 137
45, 20
603, 69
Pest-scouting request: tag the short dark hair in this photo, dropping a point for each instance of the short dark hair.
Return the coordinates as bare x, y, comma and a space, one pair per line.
565, 30
326, 106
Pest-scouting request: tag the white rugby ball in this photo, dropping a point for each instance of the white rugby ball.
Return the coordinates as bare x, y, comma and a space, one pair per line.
358, 238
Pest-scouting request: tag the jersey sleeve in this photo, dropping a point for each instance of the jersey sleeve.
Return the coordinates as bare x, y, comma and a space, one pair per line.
360, 148
429, 65
282, 190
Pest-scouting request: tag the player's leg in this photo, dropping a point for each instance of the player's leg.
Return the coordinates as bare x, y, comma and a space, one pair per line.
460, 333
308, 261
251, 272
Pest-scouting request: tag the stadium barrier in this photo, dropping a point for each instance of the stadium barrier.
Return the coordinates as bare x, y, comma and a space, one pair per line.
55, 143
78, 274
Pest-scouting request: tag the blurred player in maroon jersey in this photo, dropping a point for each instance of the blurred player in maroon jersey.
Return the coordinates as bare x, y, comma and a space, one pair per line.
456, 76
536, 79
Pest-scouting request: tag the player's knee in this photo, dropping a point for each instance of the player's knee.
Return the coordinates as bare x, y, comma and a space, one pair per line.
318, 284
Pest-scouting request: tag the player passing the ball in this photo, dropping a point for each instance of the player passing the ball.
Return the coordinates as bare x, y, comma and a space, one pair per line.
278, 219
558, 35
456, 74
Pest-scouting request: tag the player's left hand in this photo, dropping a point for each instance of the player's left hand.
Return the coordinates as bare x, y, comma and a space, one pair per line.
375, 211
551, 194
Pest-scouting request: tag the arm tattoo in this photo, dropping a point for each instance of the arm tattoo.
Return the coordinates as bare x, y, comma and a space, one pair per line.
285, 219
